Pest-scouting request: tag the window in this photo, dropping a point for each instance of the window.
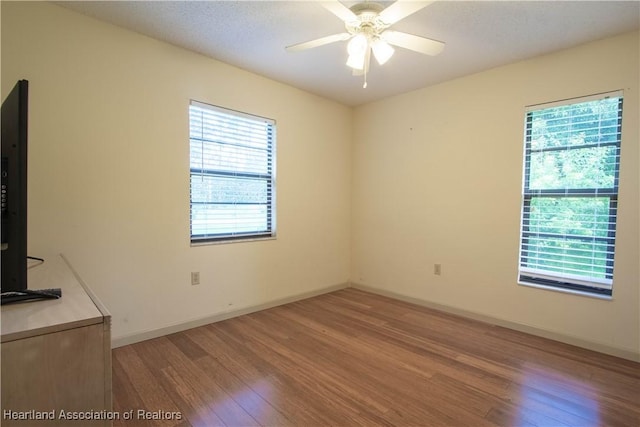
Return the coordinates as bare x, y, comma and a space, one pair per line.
232, 174
570, 194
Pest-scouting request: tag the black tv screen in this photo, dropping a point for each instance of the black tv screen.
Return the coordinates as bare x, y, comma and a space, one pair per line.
14, 188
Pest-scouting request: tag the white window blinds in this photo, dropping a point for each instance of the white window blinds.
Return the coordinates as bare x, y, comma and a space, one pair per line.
570, 193
232, 174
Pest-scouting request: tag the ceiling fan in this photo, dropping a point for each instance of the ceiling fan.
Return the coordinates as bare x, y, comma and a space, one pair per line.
367, 29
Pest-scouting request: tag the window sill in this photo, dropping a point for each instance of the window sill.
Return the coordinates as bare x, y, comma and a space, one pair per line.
566, 291
224, 242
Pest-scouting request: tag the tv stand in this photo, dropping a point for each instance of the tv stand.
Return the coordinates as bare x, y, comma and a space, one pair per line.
56, 354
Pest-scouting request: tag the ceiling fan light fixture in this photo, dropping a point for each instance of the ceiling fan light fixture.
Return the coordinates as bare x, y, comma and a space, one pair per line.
357, 49
356, 61
358, 45
382, 51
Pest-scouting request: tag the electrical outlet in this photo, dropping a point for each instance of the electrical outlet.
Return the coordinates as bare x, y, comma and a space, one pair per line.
437, 269
195, 277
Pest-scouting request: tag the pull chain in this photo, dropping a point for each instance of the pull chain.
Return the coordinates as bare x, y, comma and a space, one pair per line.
366, 68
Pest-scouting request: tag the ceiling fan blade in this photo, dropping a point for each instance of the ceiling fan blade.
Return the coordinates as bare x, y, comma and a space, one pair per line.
318, 42
401, 9
340, 10
411, 42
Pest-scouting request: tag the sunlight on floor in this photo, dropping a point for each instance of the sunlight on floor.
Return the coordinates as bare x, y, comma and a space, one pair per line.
255, 398
562, 399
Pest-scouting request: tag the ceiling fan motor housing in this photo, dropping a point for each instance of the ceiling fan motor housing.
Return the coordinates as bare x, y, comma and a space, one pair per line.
368, 22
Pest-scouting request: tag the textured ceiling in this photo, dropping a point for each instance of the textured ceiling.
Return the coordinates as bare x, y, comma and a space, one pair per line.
479, 35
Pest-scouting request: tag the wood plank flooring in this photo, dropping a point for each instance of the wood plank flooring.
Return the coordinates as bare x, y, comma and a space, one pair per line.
351, 358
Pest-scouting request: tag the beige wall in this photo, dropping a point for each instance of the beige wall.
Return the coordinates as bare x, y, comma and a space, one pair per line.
437, 179
109, 171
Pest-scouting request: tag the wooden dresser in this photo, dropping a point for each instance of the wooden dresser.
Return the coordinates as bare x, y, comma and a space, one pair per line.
56, 354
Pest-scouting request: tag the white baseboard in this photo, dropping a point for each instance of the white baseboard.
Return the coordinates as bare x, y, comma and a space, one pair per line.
194, 323
567, 339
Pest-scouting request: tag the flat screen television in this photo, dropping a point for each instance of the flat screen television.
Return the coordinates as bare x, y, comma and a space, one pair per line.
15, 109
14, 117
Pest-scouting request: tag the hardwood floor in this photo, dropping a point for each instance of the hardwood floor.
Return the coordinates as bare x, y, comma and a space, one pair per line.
351, 358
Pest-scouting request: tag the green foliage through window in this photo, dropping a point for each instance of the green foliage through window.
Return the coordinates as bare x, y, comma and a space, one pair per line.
572, 158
